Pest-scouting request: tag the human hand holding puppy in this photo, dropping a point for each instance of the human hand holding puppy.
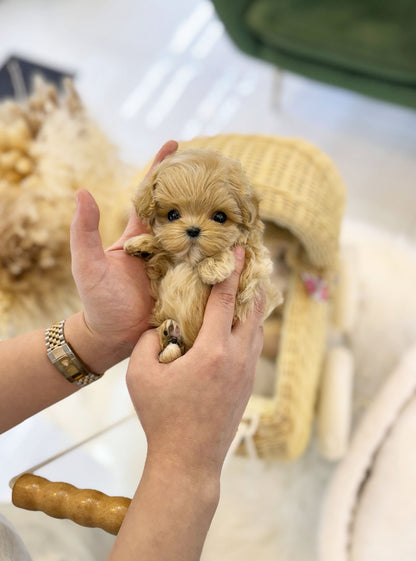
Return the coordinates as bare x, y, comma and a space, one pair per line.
114, 288
190, 410
200, 397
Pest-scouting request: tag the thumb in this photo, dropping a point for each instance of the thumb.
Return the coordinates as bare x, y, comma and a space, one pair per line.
134, 225
85, 239
167, 149
143, 359
219, 311
147, 347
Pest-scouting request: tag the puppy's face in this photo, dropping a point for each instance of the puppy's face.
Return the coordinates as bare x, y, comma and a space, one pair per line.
200, 205
198, 227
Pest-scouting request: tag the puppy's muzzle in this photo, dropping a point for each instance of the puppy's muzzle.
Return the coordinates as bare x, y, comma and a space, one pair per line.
193, 231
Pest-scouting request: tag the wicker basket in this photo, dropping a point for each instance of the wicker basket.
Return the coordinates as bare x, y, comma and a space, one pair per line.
301, 191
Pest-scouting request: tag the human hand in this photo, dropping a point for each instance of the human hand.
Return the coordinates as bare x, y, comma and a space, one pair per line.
190, 408
113, 285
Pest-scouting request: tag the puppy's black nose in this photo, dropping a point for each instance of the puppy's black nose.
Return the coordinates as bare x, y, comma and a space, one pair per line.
193, 232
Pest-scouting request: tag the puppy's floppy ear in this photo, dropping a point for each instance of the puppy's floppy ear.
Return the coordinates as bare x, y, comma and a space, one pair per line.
250, 209
144, 200
245, 195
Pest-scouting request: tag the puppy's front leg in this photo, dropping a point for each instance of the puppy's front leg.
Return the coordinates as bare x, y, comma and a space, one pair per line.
143, 246
213, 270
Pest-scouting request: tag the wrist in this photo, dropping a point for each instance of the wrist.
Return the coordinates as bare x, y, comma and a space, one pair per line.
202, 483
170, 513
97, 353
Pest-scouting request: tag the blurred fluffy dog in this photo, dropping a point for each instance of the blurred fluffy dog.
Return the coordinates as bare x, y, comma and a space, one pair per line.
198, 205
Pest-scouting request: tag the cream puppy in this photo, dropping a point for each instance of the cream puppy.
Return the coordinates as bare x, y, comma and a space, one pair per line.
198, 205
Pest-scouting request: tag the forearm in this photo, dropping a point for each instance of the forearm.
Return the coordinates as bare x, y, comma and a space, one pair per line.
28, 380
169, 516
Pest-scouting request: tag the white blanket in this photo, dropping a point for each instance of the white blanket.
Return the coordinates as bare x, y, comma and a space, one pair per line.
370, 510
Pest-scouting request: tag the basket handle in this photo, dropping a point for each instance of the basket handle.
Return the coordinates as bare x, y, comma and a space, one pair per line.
86, 507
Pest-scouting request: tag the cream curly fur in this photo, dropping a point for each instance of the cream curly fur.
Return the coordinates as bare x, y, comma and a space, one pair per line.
198, 205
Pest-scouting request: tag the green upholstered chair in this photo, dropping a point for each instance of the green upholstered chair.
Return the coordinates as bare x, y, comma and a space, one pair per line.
368, 46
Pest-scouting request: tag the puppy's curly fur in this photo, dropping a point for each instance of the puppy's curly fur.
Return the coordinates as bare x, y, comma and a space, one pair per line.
198, 205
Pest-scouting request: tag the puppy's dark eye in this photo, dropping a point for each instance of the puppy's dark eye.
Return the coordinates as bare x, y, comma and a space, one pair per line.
173, 215
220, 217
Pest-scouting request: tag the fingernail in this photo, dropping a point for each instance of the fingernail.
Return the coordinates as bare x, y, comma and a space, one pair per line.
239, 253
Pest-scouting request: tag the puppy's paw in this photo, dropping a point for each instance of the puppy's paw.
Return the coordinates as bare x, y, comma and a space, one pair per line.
171, 341
170, 353
213, 270
140, 246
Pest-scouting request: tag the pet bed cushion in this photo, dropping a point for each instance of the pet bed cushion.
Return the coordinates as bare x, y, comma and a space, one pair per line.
369, 511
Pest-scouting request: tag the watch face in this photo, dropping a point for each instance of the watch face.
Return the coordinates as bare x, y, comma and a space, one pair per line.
61, 357
68, 366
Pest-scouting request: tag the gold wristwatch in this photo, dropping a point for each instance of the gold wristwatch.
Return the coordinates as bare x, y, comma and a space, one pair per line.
64, 359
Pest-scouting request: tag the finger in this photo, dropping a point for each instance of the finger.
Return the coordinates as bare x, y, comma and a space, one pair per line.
85, 239
219, 311
248, 337
253, 349
255, 314
147, 349
248, 328
250, 331
167, 149
134, 225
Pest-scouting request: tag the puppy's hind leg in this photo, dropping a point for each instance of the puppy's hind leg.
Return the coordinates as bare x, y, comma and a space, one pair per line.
171, 341
170, 353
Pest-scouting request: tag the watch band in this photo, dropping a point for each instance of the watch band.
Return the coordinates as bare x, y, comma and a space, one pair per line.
64, 359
